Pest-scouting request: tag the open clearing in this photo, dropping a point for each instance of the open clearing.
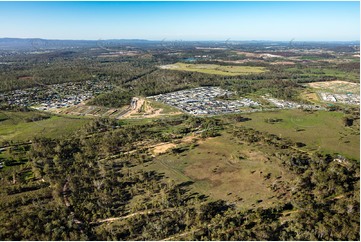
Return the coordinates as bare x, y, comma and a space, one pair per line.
310, 96
223, 169
215, 69
320, 130
151, 109
162, 148
336, 86
14, 127
91, 111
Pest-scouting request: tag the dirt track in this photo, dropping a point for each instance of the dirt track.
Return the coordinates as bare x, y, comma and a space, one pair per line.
139, 102
151, 211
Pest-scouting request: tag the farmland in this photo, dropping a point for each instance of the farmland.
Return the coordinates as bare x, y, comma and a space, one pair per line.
215, 69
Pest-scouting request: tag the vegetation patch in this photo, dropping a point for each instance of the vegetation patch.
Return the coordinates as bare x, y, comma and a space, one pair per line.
327, 73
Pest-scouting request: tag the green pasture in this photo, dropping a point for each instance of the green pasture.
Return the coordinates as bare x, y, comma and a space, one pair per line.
320, 130
13, 126
217, 69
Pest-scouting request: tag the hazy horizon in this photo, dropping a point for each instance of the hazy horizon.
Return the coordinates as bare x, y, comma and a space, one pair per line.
180, 40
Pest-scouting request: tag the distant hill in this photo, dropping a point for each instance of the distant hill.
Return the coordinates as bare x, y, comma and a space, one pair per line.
37, 43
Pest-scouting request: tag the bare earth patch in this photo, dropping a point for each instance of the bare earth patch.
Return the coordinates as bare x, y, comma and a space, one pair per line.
162, 148
136, 109
144, 110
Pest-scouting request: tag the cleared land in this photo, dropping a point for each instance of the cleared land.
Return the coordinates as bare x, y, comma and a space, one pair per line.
143, 109
91, 111
311, 96
215, 69
332, 91
320, 130
221, 168
336, 86
151, 109
14, 127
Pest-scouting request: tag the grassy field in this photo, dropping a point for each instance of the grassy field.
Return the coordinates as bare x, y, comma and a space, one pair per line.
216, 69
336, 86
14, 126
165, 109
221, 168
310, 95
320, 130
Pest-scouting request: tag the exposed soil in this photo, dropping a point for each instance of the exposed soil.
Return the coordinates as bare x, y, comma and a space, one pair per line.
162, 148
335, 85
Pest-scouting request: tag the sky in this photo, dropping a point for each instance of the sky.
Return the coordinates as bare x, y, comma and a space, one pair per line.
301, 21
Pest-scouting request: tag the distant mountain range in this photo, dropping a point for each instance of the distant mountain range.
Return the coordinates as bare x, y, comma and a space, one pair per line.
42, 44
37, 43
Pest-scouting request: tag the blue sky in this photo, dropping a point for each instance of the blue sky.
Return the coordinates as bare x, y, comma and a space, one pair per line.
301, 21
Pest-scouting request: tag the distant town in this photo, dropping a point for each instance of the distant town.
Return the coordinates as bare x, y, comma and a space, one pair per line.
348, 98
196, 101
45, 97
202, 100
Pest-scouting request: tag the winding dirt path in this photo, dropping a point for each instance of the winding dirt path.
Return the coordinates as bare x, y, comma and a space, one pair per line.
150, 211
65, 192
